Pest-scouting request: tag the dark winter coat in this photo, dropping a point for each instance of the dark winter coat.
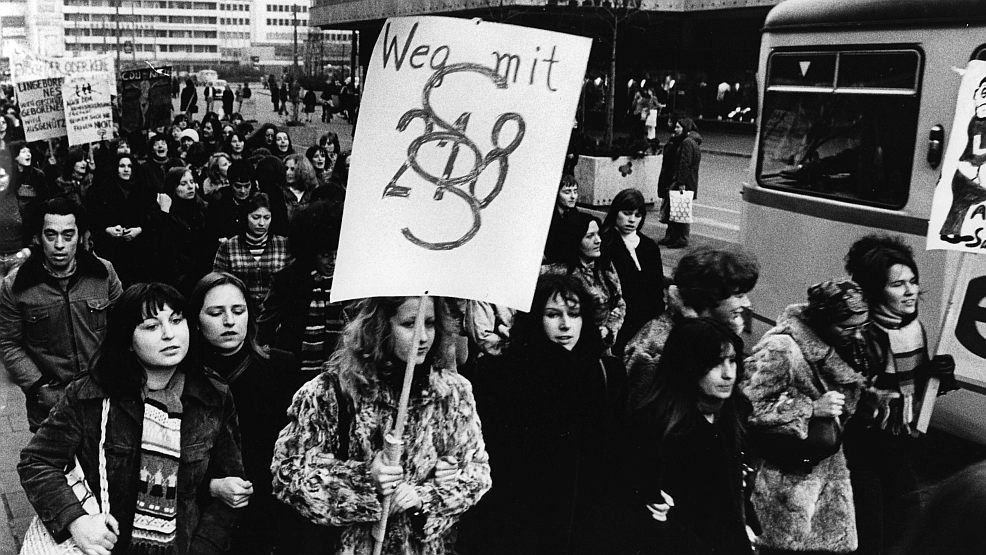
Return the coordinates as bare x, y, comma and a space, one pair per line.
32, 190
209, 449
679, 167
643, 289
284, 315
109, 204
183, 253
189, 98
310, 101
550, 418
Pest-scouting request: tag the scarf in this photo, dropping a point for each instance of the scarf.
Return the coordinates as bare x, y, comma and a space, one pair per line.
323, 325
155, 521
256, 244
907, 352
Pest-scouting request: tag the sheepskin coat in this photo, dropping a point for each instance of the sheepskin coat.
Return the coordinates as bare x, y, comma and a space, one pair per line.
800, 510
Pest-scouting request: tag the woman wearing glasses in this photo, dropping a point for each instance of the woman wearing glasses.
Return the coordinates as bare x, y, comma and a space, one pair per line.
805, 377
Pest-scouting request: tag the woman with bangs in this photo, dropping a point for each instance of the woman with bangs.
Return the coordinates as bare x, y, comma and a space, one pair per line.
300, 182
216, 177
323, 163
171, 427
687, 448
235, 147
223, 322
329, 462
552, 405
637, 260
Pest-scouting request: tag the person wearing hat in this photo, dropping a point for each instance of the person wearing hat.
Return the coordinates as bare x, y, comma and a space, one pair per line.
805, 372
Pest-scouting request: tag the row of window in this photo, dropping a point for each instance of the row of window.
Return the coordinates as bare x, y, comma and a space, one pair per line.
244, 36
234, 7
190, 48
127, 18
233, 21
127, 32
287, 22
158, 4
283, 8
12, 21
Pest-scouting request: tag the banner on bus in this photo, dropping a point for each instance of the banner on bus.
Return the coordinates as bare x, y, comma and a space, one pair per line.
146, 99
457, 158
88, 113
958, 211
41, 110
26, 65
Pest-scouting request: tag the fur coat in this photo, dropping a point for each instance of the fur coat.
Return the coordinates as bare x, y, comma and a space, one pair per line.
806, 510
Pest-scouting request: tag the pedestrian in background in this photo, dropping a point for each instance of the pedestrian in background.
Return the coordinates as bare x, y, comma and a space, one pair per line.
227, 98
567, 197
310, 100
679, 172
189, 99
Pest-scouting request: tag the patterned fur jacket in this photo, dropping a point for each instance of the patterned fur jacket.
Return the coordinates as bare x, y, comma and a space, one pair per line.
643, 352
800, 510
331, 488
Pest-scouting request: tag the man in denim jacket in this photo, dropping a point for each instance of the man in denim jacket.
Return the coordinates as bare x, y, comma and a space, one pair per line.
53, 308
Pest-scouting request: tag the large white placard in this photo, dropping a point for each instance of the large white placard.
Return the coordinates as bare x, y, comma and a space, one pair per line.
88, 113
456, 161
25, 65
41, 110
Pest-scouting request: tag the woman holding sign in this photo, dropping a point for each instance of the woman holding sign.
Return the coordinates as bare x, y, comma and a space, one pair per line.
883, 478
329, 460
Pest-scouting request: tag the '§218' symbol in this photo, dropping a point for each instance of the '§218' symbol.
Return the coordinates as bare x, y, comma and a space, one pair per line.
462, 186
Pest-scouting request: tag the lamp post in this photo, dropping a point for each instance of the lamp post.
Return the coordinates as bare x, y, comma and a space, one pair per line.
294, 24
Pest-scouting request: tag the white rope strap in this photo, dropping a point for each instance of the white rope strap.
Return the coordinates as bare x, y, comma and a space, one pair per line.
104, 487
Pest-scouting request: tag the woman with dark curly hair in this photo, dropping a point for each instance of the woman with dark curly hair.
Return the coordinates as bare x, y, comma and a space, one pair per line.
329, 462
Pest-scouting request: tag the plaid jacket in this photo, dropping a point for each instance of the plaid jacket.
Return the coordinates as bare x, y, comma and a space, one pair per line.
234, 257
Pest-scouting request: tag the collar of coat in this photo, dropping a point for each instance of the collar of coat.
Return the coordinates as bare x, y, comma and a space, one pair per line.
206, 387
815, 351
33, 272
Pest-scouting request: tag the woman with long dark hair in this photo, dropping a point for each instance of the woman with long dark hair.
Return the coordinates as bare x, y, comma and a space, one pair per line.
223, 321
328, 461
688, 441
580, 256
171, 428
552, 402
636, 259
124, 214
184, 253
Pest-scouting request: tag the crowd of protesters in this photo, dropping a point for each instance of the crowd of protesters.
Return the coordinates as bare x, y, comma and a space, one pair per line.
172, 295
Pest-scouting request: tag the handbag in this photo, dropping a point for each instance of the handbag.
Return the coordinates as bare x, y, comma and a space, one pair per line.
680, 206
37, 539
823, 440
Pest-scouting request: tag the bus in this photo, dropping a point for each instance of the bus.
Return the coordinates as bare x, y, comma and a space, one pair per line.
856, 104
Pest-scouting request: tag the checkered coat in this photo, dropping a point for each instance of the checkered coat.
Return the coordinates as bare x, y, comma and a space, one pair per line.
234, 257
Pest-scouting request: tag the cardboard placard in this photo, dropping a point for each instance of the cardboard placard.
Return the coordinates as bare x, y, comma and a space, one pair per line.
88, 113
42, 113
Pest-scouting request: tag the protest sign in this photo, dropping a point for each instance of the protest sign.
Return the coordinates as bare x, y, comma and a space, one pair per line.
28, 66
42, 113
88, 114
958, 211
146, 99
457, 158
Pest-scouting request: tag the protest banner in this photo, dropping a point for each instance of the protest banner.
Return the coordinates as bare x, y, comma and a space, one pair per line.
958, 210
41, 110
146, 99
88, 114
28, 66
457, 158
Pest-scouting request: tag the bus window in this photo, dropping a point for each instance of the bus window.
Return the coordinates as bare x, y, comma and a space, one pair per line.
840, 124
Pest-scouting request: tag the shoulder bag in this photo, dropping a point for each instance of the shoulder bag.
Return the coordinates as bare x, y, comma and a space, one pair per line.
37, 539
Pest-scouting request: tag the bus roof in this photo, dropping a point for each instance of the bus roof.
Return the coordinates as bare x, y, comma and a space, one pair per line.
805, 14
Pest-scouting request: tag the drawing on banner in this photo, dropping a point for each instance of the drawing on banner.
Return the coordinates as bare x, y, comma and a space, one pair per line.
958, 215
464, 185
88, 113
146, 99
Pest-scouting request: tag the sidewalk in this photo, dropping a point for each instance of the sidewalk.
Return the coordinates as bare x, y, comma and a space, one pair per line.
14, 435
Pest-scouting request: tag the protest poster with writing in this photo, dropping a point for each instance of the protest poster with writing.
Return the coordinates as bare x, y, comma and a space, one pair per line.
28, 66
146, 99
958, 210
88, 114
457, 158
41, 110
